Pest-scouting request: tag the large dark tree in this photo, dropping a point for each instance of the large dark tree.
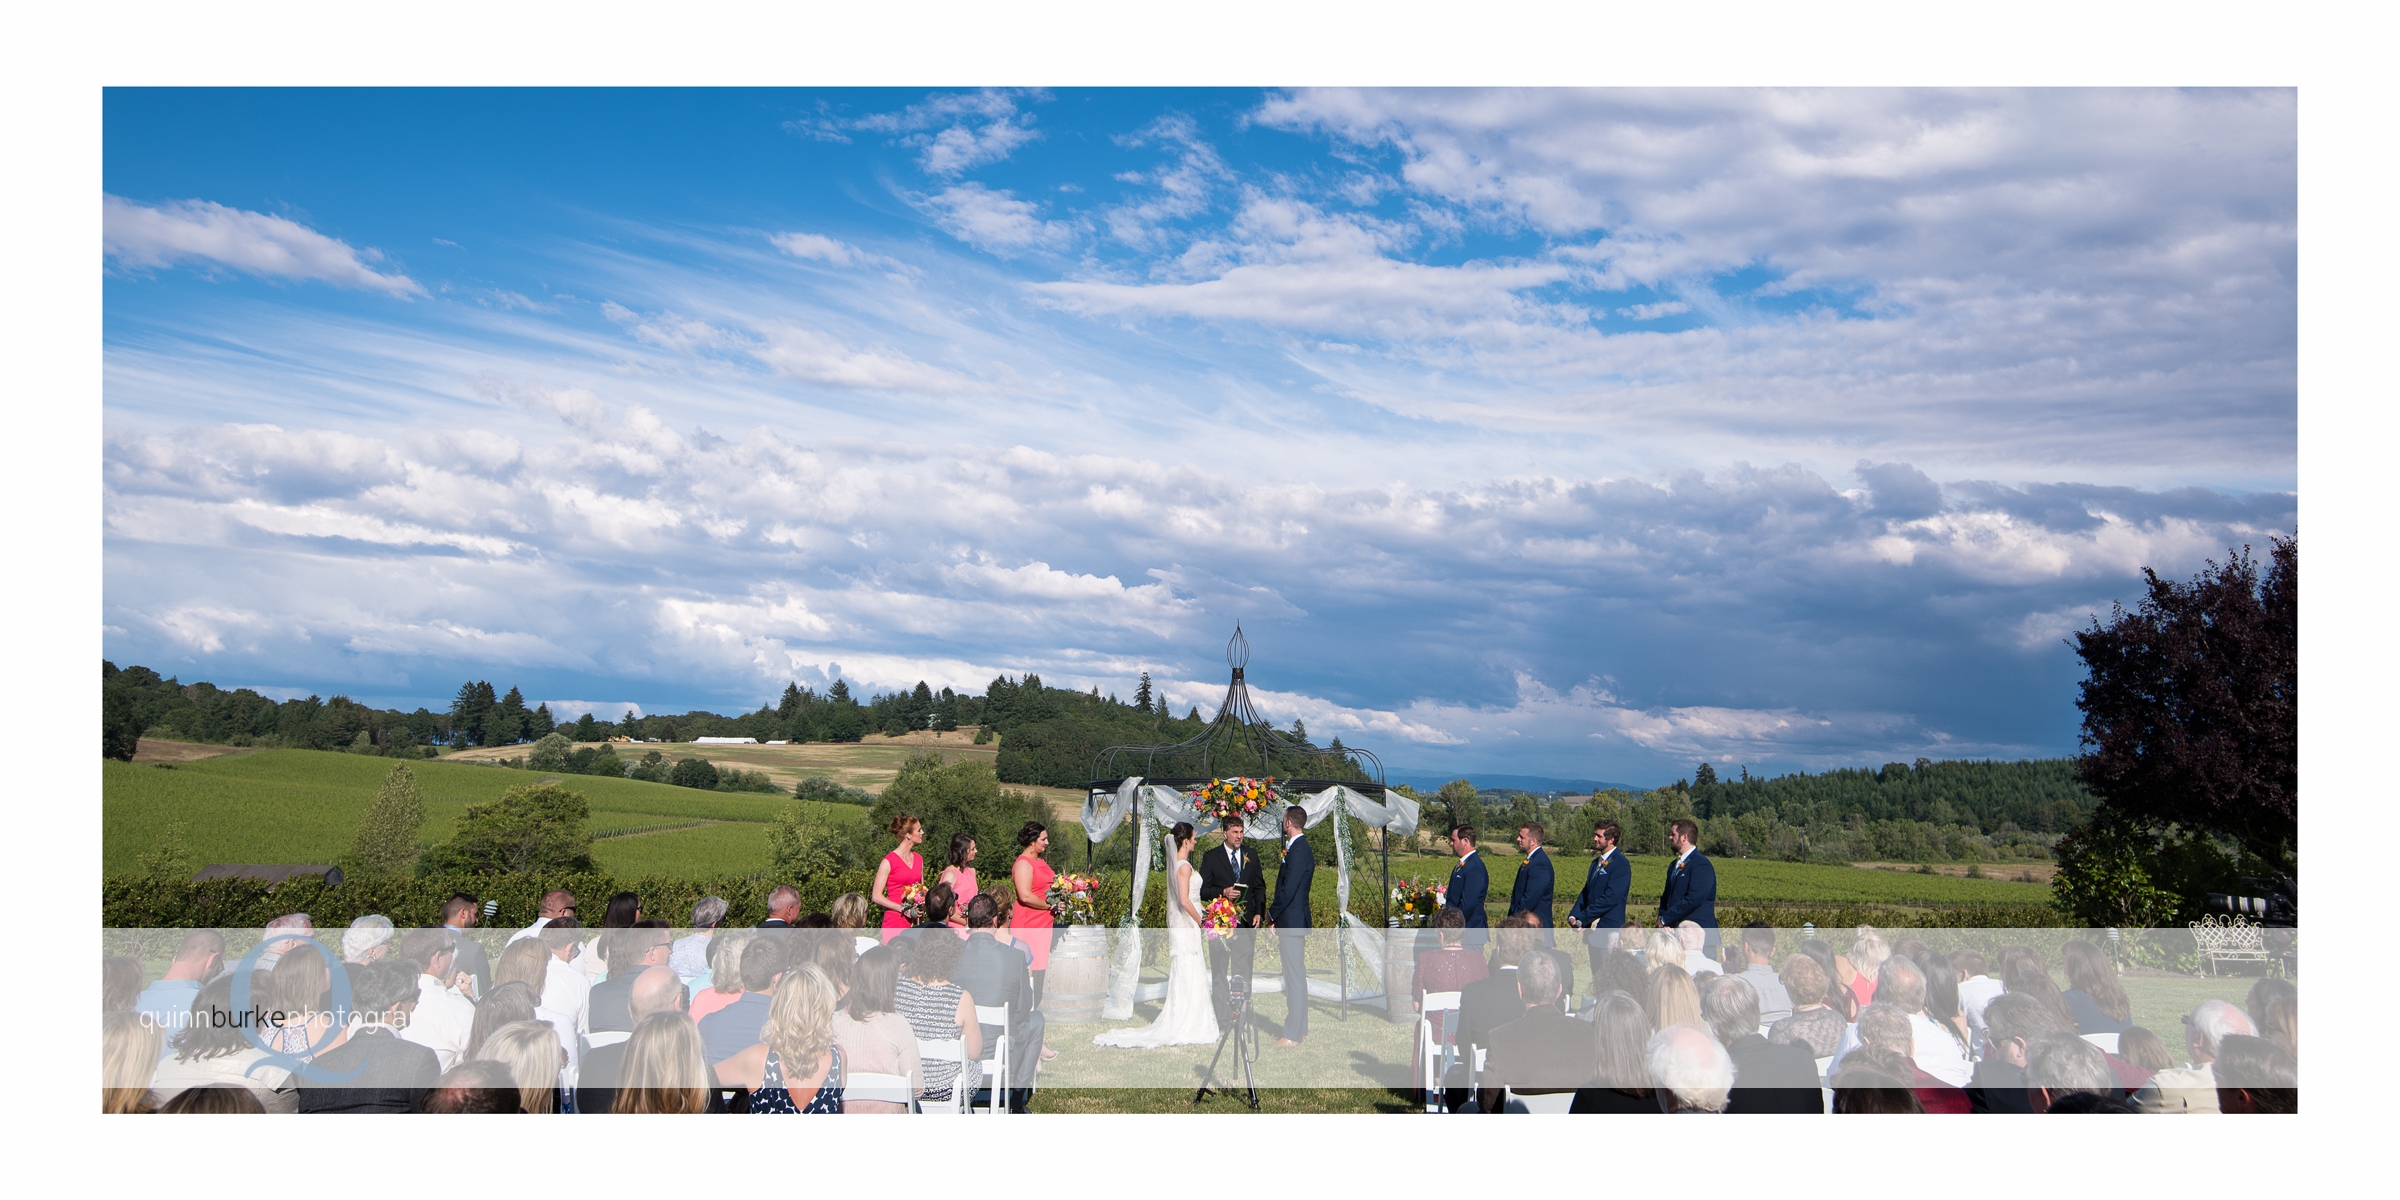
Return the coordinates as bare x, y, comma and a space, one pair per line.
2191, 708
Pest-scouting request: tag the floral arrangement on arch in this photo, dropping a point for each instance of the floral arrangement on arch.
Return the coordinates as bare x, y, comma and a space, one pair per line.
1237, 799
1416, 901
1072, 899
1221, 917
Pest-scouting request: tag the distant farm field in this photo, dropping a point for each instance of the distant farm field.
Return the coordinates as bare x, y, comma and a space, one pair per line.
303, 806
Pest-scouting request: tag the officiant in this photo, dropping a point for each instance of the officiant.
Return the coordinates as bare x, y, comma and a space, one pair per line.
1233, 867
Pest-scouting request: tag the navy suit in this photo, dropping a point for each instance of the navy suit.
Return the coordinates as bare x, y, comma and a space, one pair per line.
1691, 895
1600, 906
1533, 892
1465, 892
1289, 914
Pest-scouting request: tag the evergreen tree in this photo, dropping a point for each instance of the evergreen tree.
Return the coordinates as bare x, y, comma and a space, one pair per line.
539, 723
469, 711
839, 693
587, 729
1141, 694
631, 726
386, 844
787, 710
1706, 776
508, 719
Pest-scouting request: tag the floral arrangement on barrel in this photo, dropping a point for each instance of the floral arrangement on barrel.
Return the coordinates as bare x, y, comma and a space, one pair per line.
1416, 901
1239, 799
1220, 918
1071, 899
912, 903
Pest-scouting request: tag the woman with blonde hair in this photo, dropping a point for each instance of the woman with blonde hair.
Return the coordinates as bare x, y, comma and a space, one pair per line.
530, 1051
120, 982
128, 1059
852, 910
1856, 970
900, 870
1674, 999
664, 1070
1663, 949
796, 1067
724, 972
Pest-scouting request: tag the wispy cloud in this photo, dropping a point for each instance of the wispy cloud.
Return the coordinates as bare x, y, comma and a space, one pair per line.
140, 236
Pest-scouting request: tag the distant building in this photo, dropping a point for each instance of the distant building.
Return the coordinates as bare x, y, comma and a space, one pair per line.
718, 741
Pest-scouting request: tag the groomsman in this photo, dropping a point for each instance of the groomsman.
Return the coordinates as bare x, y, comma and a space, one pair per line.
1691, 892
1531, 893
1232, 868
1468, 883
1600, 907
1289, 912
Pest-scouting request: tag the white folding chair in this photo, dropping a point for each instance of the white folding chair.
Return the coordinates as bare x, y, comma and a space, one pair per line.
1548, 1102
1437, 1050
862, 1085
2106, 1041
995, 1068
962, 1085
1824, 1084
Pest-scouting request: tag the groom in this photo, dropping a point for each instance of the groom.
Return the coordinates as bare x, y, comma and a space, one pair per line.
1290, 914
1233, 870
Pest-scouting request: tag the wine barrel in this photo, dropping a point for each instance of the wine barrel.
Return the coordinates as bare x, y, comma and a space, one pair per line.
1399, 974
1077, 984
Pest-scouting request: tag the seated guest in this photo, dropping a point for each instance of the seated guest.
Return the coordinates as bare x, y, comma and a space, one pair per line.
1858, 971
526, 963
1885, 1027
1874, 1080
213, 1099
834, 953
120, 982
474, 1086
2273, 1007
724, 973
1758, 954
1837, 993
1938, 1050
535, 1062
997, 976
1449, 966
2094, 997
854, 913
2255, 1075
2025, 974
1620, 1081
2194, 1089
937, 1007
656, 990
663, 1070
2144, 1049
689, 957
735, 1027
1942, 1005
1692, 1070
1545, 1050
128, 1061
1695, 941
1813, 1023
168, 1003
2012, 1023
1767, 1076
1494, 1000
1976, 988
507, 1004
443, 1017
1622, 971
795, 1067
1673, 998
874, 1037
2061, 1064
215, 1048
380, 1071
1663, 949
368, 939
630, 952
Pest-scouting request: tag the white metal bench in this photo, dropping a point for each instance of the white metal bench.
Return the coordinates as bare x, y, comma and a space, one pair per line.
2230, 940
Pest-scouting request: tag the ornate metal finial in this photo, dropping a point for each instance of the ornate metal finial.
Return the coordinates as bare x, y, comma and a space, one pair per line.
1237, 651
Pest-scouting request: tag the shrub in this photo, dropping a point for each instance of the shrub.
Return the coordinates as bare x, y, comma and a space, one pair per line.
817, 787
387, 835
137, 902
734, 779
805, 847
534, 827
549, 754
693, 773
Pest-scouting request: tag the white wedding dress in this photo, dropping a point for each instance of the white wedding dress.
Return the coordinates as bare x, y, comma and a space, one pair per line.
1189, 1016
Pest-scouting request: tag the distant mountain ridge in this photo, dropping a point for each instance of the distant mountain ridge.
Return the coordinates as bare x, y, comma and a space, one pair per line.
1426, 781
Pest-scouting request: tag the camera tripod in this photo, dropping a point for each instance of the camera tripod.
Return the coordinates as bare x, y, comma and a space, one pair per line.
1244, 1038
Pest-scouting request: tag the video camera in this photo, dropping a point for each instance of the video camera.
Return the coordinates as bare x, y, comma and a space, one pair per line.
2279, 908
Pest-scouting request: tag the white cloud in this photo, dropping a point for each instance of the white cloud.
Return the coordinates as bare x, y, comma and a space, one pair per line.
142, 236
968, 130
817, 247
995, 222
817, 357
1652, 312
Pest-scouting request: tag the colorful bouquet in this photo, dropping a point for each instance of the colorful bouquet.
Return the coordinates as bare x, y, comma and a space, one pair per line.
912, 903
1415, 901
1221, 917
1071, 899
1240, 799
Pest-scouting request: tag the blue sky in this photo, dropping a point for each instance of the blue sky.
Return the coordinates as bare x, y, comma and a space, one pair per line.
1547, 432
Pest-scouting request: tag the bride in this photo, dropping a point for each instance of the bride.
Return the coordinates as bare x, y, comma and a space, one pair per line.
1189, 1015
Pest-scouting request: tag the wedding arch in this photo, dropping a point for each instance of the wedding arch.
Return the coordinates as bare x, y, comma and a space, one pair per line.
1323, 781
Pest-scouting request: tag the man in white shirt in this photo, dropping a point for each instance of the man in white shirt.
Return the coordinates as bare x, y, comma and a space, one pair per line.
2194, 1089
1694, 938
1975, 991
1937, 1051
443, 1018
566, 1001
555, 904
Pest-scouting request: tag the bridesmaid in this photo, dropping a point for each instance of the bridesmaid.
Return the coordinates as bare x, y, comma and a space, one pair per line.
959, 875
899, 871
1031, 917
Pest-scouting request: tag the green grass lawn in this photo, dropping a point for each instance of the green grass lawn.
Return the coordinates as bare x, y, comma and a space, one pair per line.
300, 806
